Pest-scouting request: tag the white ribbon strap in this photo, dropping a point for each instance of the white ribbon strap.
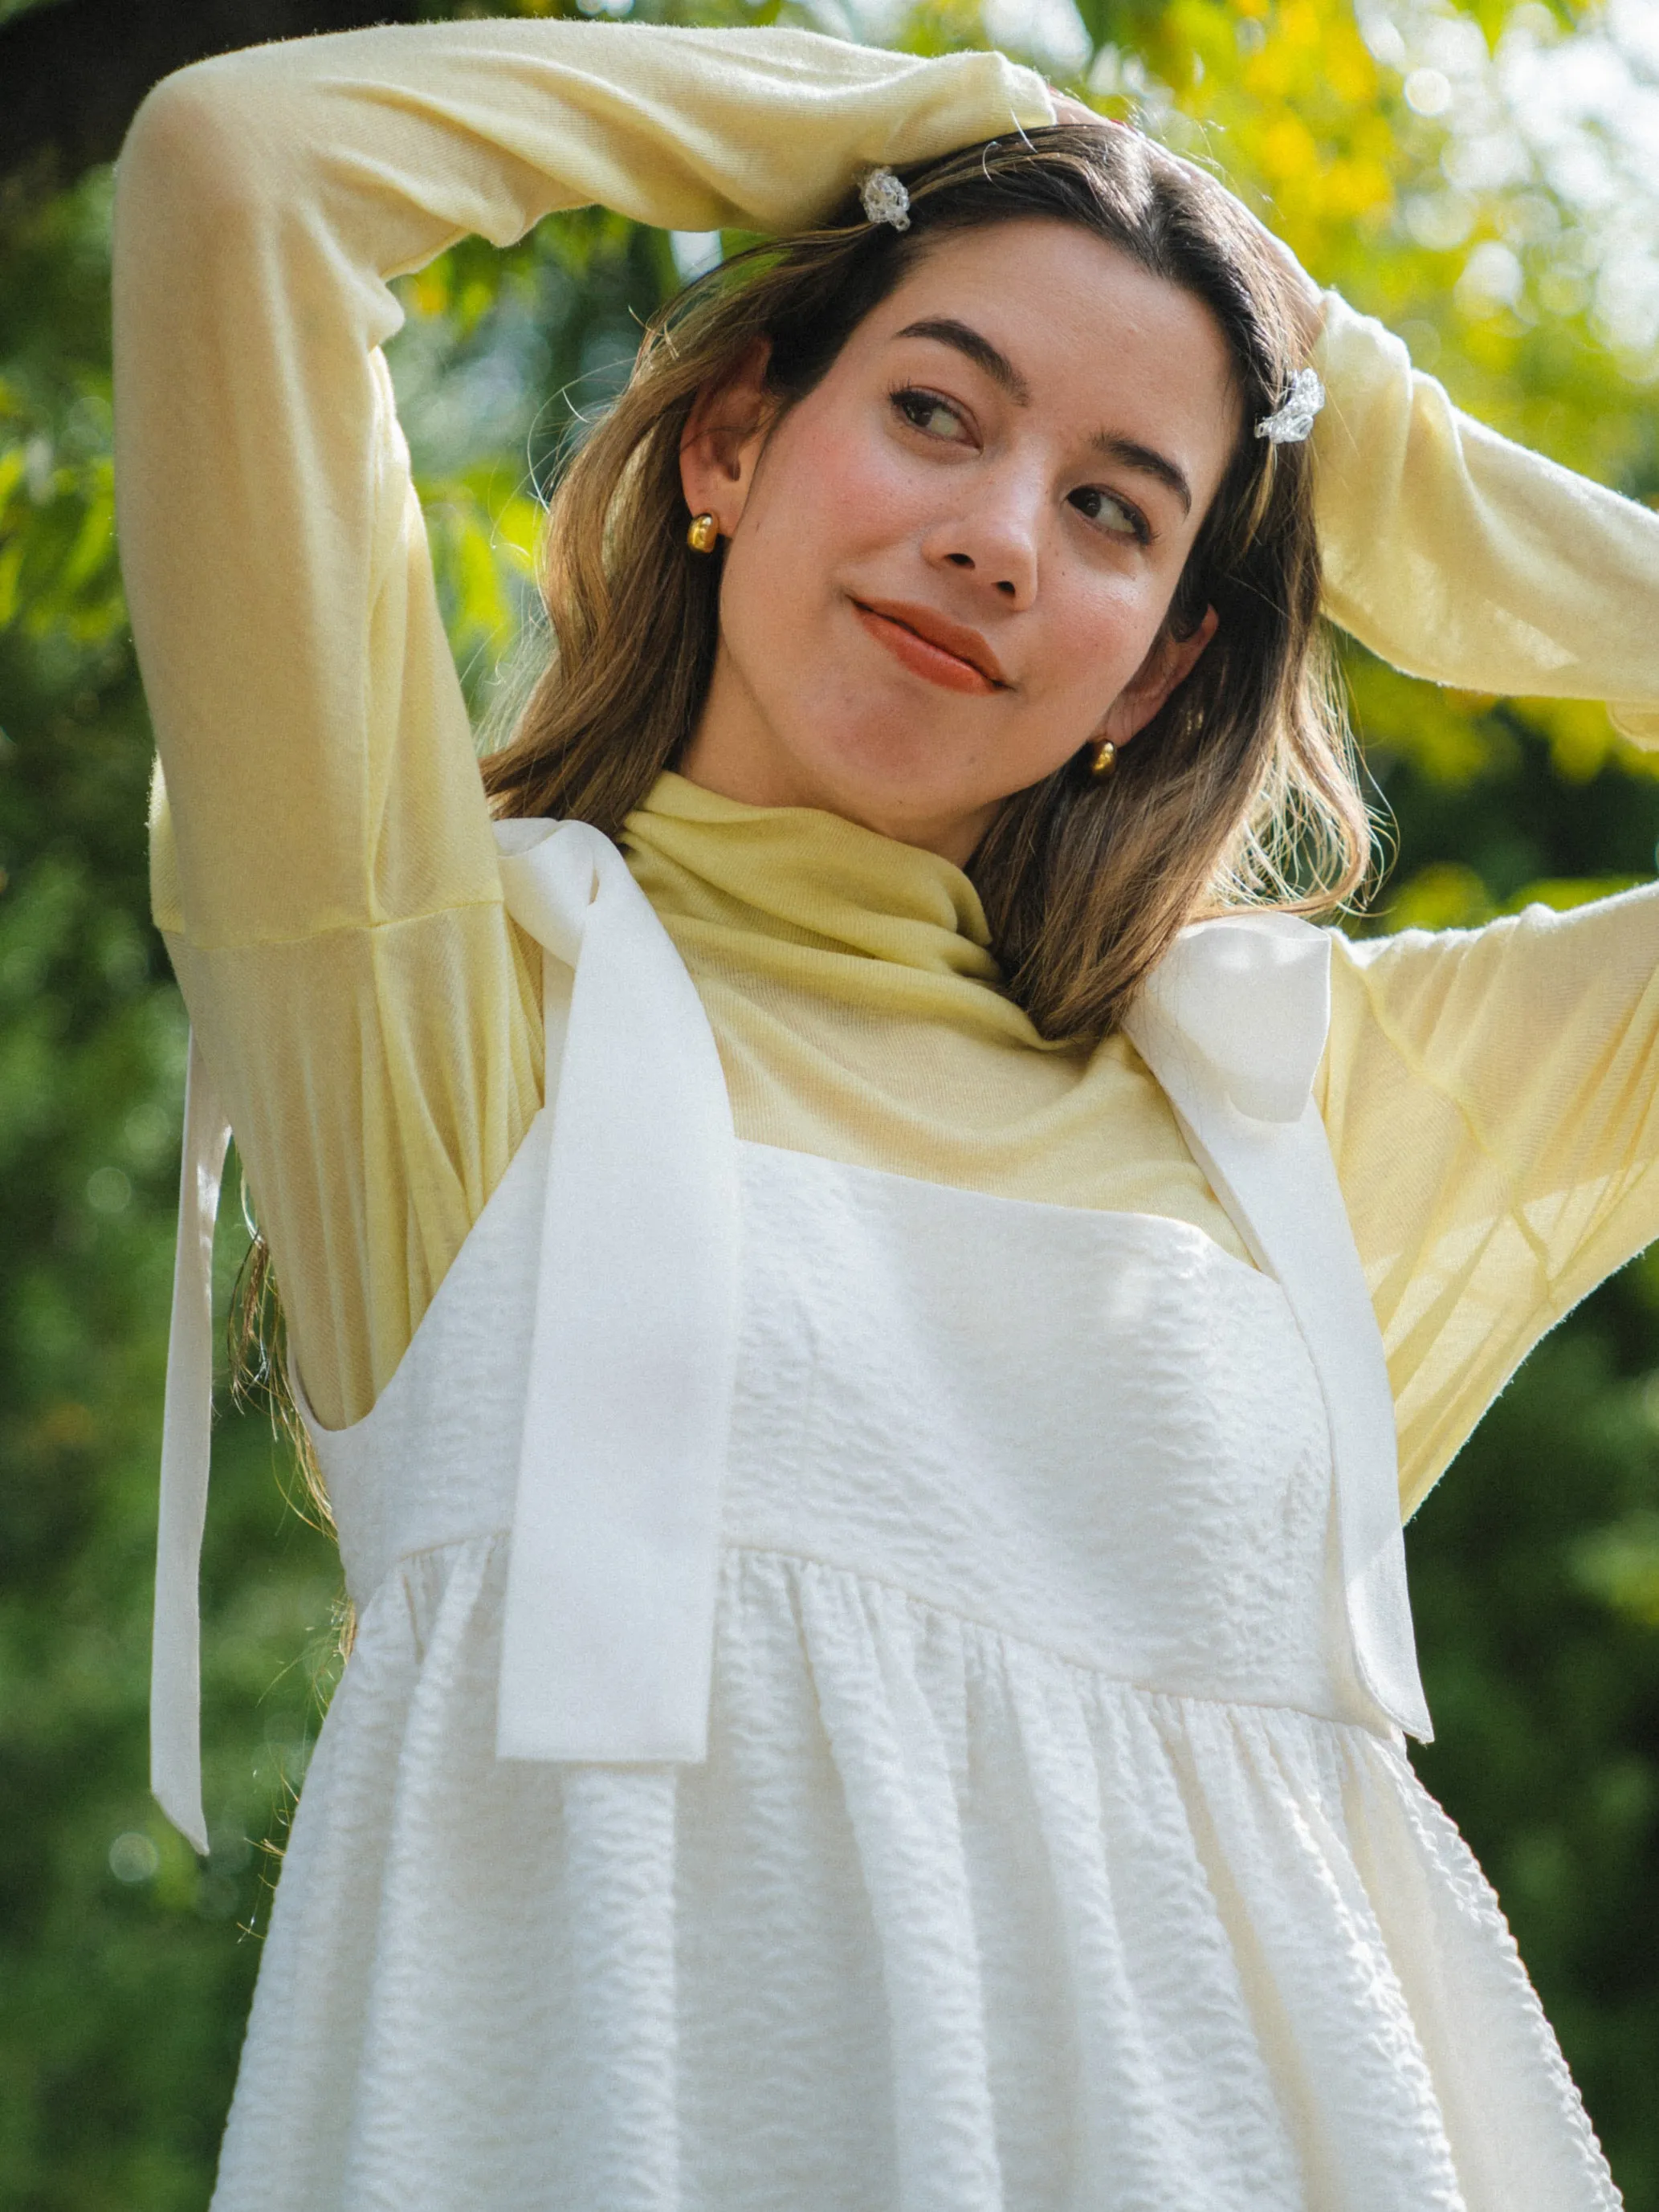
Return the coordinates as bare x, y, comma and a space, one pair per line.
608, 1631
175, 1681
1232, 1022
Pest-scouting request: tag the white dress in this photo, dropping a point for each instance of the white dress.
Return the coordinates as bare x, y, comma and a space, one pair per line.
1012, 1816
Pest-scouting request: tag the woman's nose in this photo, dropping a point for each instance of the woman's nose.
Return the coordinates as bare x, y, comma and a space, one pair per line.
996, 541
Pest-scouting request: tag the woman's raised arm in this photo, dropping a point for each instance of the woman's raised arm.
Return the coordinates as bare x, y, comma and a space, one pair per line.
1462, 557
323, 868
1492, 1096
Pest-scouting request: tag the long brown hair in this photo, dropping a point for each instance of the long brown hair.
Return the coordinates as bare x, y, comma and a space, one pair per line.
1241, 787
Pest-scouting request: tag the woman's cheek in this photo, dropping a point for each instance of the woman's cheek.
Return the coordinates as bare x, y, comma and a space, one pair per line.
862, 489
1095, 640
799, 505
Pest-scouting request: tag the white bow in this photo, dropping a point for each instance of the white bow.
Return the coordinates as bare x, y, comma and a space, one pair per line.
1233, 1023
608, 1631
1250, 998
175, 1664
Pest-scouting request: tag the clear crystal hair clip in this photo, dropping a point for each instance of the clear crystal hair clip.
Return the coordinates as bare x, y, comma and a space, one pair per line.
884, 199
1295, 418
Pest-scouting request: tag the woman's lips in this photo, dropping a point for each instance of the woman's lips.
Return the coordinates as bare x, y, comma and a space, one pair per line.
897, 628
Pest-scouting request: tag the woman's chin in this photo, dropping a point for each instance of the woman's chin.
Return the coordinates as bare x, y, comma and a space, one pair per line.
890, 770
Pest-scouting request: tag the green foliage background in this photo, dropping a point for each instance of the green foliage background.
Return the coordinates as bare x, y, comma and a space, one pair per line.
126, 1968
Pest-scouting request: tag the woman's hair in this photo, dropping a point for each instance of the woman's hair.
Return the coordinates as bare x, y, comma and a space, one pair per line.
1240, 789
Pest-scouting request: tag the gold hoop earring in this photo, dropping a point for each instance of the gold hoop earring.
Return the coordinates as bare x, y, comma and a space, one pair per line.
1102, 757
704, 535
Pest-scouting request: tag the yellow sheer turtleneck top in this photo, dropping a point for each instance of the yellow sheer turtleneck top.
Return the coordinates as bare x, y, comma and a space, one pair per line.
323, 864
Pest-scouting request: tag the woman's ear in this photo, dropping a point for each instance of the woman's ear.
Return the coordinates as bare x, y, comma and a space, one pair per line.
1171, 661
724, 434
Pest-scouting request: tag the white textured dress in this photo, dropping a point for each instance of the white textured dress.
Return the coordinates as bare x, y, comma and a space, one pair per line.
874, 1697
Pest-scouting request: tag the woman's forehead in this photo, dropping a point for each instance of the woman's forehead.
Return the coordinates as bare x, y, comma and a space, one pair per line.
1053, 278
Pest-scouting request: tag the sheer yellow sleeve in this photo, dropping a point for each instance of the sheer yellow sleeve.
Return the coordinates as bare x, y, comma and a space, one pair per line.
1492, 1101
323, 868
1459, 556
1490, 1094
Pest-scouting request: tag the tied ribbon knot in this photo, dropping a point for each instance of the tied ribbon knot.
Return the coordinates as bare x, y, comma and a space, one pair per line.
1247, 999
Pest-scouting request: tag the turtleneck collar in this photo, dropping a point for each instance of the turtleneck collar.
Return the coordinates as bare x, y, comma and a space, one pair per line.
809, 899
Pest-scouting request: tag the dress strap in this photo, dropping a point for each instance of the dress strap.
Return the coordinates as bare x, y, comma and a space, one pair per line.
1232, 1022
175, 1681
609, 1621
608, 1628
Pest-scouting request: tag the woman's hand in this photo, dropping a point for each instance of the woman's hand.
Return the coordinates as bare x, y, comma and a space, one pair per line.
1309, 300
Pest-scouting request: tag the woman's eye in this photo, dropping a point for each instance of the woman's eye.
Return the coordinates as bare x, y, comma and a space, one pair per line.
926, 411
1115, 516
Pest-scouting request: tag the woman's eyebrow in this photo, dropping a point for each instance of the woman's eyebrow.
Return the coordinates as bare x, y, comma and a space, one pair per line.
1128, 453
944, 330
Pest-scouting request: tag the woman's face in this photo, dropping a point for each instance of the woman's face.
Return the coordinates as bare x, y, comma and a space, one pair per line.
949, 564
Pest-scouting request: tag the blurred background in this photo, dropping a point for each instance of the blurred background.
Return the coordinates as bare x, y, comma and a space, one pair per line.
1486, 177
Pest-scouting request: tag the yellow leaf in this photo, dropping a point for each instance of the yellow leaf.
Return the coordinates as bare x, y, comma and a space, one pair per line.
1289, 150
1564, 892
11, 564
1445, 894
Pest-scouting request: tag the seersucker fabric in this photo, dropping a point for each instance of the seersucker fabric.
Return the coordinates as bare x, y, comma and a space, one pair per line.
1038, 1859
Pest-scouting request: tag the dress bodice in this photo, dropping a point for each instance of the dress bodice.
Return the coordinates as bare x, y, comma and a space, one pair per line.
1097, 1432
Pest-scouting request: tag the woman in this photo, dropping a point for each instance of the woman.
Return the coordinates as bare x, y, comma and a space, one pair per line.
874, 1519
